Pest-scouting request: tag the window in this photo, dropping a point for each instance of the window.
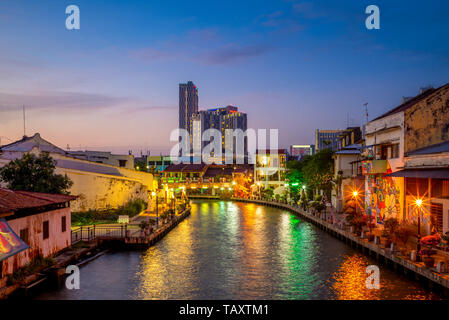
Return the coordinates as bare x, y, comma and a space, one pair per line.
122, 163
63, 224
440, 188
24, 235
436, 216
416, 187
395, 151
46, 230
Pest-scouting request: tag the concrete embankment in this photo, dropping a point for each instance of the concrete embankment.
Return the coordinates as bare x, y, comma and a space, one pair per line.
416, 270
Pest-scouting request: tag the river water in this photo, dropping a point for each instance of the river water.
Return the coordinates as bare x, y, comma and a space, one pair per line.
231, 250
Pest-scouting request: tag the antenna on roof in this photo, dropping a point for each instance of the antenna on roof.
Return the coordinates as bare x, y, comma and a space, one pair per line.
366, 111
24, 129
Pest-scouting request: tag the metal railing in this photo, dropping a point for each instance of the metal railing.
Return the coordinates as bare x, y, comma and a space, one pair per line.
89, 233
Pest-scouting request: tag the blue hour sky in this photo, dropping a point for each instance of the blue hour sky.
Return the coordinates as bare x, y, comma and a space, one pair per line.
292, 65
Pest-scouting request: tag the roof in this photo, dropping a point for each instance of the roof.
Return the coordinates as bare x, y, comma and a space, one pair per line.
11, 201
214, 171
350, 151
436, 148
26, 144
186, 167
440, 173
269, 151
407, 104
88, 166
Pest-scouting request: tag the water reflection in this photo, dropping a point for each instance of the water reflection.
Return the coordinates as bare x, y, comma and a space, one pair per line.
229, 250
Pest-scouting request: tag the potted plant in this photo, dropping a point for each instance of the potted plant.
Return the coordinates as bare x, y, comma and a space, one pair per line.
356, 220
445, 240
427, 258
429, 242
390, 227
402, 235
370, 224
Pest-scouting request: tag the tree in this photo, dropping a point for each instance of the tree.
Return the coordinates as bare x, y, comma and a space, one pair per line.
141, 166
318, 170
36, 174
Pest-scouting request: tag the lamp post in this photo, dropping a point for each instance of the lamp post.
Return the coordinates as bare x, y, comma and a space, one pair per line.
258, 187
354, 195
418, 244
157, 209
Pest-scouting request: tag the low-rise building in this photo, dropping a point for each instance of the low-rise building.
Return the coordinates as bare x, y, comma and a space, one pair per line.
270, 168
40, 225
298, 151
118, 160
346, 178
426, 161
98, 186
383, 155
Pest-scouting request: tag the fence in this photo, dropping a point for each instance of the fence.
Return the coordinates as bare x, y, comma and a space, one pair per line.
89, 233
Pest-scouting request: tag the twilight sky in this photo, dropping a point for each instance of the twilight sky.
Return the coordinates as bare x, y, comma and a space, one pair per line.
291, 65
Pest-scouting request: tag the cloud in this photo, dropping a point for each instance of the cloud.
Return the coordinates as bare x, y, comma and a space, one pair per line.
280, 22
308, 10
153, 54
149, 108
203, 46
233, 53
65, 101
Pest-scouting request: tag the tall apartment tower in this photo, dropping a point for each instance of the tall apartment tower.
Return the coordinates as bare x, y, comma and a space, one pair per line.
188, 104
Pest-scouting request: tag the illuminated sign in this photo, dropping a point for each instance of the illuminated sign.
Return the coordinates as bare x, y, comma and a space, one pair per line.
10, 243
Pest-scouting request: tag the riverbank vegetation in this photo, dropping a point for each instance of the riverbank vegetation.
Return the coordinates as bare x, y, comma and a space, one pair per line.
131, 208
36, 265
314, 172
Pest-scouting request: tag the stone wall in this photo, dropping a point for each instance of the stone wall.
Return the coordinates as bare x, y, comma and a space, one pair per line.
427, 122
99, 192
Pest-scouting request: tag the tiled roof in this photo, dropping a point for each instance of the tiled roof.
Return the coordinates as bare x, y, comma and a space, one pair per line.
436, 148
183, 167
26, 144
11, 201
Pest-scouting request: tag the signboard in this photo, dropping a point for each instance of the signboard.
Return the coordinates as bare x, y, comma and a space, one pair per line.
374, 166
10, 243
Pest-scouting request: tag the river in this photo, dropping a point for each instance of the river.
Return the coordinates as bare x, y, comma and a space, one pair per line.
231, 250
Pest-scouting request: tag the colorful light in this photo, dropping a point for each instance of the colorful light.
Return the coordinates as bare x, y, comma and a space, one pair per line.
418, 202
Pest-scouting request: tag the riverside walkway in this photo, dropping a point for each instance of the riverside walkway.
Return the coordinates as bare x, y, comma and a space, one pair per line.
399, 262
125, 233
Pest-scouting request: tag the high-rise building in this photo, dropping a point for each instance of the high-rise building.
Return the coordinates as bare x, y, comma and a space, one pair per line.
325, 139
221, 119
188, 103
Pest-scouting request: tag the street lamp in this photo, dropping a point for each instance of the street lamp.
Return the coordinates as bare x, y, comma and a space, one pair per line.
258, 187
157, 209
354, 195
418, 203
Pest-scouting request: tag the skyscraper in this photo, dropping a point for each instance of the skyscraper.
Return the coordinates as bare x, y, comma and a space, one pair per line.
188, 104
221, 119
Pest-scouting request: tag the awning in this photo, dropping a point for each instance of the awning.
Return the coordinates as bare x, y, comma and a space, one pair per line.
10, 243
441, 173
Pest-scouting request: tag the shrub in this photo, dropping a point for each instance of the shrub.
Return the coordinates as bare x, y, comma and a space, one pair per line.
34, 266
